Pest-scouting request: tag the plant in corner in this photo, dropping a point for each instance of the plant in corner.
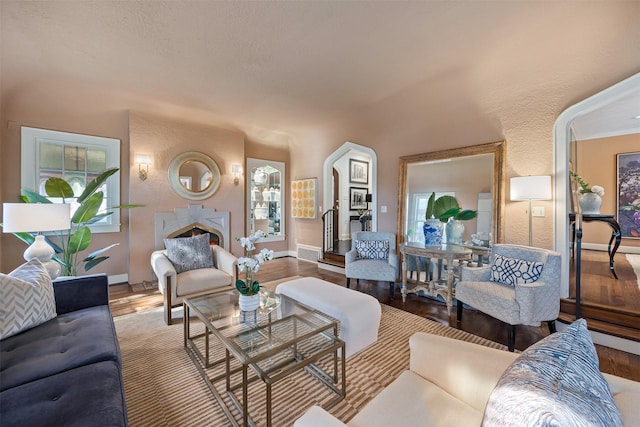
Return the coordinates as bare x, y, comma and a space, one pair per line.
78, 238
585, 187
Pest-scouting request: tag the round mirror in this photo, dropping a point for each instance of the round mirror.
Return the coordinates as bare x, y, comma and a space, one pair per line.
194, 176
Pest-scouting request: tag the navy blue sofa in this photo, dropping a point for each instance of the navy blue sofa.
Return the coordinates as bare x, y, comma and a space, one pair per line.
67, 371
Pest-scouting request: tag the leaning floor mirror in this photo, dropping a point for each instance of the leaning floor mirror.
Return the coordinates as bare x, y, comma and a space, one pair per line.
474, 175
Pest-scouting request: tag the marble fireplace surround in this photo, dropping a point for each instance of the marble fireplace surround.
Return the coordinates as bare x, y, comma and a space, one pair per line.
167, 223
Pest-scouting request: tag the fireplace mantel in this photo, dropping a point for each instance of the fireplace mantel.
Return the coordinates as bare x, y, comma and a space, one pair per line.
167, 223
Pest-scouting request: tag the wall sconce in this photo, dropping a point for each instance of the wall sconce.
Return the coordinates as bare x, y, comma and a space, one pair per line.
143, 161
236, 170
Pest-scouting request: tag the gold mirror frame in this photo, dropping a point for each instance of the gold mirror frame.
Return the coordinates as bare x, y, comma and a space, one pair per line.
180, 189
498, 188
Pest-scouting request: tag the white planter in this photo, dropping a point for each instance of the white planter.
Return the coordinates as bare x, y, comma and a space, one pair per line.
590, 203
455, 230
249, 302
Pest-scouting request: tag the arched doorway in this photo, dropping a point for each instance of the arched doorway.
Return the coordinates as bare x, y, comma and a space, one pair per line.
340, 161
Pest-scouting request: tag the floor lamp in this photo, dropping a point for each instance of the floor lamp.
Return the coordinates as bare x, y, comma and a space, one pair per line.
531, 188
37, 217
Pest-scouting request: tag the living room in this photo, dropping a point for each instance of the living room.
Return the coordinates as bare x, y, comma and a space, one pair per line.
292, 82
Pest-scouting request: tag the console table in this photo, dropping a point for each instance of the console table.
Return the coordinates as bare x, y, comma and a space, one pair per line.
616, 234
432, 287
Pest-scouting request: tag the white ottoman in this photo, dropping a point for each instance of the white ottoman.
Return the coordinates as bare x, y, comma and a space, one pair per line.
359, 314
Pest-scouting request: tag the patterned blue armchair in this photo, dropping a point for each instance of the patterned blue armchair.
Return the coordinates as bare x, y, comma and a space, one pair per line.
521, 286
372, 257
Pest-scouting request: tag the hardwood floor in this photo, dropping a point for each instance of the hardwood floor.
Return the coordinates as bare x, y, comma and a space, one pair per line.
125, 301
600, 287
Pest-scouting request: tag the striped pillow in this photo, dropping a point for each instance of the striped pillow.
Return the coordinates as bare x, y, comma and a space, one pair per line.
555, 382
26, 298
372, 249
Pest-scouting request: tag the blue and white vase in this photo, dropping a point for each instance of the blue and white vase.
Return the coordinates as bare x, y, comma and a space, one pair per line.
433, 229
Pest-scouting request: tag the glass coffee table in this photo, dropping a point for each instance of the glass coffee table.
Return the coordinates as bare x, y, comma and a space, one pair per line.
233, 349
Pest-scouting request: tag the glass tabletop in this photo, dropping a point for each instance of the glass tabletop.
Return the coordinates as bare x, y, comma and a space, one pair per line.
279, 323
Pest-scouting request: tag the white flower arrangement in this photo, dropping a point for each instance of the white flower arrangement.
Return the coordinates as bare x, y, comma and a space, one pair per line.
250, 263
585, 187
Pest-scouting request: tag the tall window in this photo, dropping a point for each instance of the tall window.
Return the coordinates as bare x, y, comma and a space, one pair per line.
77, 159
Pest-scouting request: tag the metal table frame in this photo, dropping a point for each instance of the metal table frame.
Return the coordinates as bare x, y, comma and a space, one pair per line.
335, 381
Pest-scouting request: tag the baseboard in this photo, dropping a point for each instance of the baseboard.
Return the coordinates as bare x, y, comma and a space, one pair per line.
605, 248
118, 278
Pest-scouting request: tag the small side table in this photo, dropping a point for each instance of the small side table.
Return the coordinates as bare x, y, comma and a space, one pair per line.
616, 234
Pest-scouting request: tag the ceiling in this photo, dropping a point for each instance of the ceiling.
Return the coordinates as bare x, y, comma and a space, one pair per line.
285, 66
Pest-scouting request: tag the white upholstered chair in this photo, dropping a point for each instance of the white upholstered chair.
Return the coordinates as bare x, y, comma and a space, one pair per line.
372, 257
176, 286
485, 289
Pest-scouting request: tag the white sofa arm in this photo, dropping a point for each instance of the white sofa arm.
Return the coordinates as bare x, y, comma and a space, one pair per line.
465, 370
163, 269
318, 417
225, 261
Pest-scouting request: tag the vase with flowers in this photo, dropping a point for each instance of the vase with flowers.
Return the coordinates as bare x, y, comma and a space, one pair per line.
250, 264
590, 195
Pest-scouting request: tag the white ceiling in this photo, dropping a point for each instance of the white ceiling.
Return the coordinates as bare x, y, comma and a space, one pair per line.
278, 65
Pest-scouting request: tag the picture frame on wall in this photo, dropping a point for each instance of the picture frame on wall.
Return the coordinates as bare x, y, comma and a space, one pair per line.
358, 172
357, 198
304, 198
628, 186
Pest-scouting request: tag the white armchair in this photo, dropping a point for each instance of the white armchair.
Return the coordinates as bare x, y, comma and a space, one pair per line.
519, 303
176, 286
372, 259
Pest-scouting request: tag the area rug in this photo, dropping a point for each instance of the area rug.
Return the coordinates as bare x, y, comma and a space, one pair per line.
163, 387
634, 260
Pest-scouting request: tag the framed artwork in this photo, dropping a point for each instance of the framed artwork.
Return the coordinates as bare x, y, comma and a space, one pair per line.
303, 198
357, 198
628, 174
358, 172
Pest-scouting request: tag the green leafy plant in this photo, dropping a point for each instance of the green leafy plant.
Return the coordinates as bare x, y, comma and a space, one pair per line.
584, 185
78, 238
446, 207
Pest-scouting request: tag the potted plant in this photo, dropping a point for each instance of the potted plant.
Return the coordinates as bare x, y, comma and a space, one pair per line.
591, 196
250, 263
447, 210
78, 238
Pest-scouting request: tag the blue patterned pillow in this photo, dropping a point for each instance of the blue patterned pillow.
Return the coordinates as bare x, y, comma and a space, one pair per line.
189, 253
555, 382
372, 249
512, 271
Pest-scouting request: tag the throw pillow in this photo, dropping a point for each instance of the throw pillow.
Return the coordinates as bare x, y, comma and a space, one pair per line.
189, 253
555, 382
26, 298
512, 271
372, 249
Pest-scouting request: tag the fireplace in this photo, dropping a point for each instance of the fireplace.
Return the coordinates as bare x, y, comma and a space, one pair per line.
196, 229
185, 222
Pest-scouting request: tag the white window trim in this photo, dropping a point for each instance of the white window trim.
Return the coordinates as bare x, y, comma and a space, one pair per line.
30, 165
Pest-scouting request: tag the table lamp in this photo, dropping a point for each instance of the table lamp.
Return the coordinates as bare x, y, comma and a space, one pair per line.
37, 218
531, 188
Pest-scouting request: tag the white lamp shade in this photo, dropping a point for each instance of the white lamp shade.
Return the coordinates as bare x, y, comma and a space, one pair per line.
531, 188
35, 217
142, 159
